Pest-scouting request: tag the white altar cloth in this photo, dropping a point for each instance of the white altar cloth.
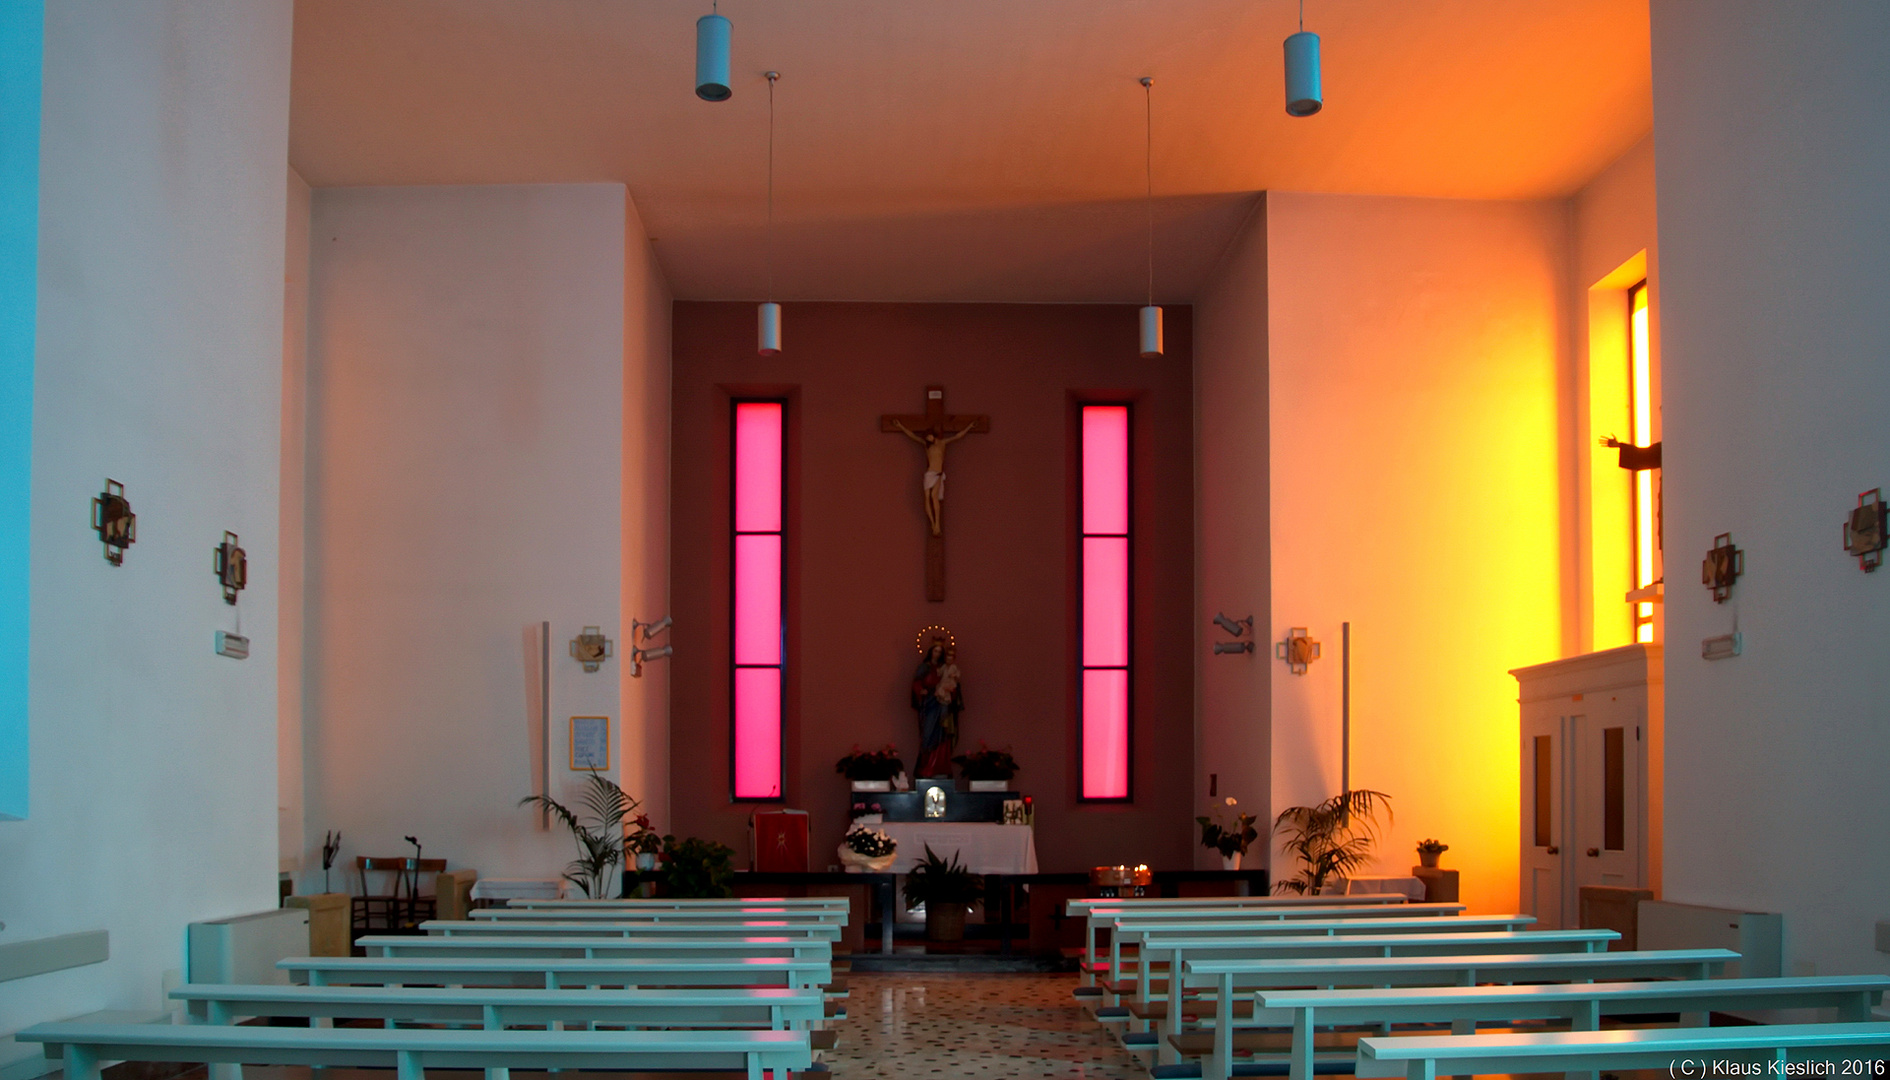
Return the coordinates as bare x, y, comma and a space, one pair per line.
1409, 886
985, 847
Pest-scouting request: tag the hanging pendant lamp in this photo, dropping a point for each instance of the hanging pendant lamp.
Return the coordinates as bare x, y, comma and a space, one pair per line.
768, 317
1151, 315
712, 40
1303, 95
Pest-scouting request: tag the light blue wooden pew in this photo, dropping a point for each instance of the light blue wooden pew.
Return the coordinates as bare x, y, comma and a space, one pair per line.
1098, 914
596, 948
1179, 951
1227, 976
1769, 1048
1583, 1005
553, 973
745, 903
84, 1047
662, 915
497, 1008
1129, 931
646, 930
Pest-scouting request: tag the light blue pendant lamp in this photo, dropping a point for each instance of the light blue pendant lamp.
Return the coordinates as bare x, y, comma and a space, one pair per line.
712, 39
1151, 315
1303, 94
768, 317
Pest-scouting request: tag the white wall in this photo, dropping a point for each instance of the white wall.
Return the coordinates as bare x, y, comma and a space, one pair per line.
646, 397
465, 418
1382, 441
289, 617
1774, 255
165, 126
1232, 540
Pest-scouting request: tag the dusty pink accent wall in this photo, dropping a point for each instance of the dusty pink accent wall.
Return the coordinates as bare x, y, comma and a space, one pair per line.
856, 554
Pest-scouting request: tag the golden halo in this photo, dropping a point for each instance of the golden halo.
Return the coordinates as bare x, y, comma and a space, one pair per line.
926, 632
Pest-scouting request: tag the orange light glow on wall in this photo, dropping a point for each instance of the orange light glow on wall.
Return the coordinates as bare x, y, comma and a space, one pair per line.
1641, 392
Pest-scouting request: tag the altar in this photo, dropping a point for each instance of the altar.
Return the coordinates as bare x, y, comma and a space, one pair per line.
985, 847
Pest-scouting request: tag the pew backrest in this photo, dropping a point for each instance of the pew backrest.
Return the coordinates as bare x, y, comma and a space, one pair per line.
594, 948
663, 915
496, 1008
606, 929
1768, 1046
552, 973
412, 1051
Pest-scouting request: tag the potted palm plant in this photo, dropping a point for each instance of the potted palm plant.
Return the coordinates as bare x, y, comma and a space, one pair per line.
947, 890
597, 828
1330, 839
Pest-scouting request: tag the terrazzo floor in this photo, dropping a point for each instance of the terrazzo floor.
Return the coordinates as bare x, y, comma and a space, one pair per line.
903, 1026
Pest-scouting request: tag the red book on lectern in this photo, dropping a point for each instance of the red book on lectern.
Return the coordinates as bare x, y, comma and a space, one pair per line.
778, 839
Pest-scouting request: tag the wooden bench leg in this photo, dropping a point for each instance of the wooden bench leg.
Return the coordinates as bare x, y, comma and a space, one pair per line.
81, 1063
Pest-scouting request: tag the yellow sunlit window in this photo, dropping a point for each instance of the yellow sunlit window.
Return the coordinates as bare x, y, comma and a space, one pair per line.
1641, 392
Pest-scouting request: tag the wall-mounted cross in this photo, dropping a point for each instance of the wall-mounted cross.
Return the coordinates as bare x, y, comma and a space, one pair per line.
934, 430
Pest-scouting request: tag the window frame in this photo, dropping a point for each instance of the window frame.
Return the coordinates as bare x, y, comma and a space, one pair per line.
1128, 667
734, 663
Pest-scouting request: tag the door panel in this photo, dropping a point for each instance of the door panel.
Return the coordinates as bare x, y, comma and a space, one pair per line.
1543, 795
1607, 827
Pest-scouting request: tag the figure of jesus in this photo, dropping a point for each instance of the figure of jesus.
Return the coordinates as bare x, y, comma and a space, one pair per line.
934, 492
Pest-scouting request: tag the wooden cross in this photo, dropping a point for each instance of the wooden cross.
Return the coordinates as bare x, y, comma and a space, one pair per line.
934, 431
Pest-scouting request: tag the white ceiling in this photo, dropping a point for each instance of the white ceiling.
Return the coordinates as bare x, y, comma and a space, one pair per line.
965, 149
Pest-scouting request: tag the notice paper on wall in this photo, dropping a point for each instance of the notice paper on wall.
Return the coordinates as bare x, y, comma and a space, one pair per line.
590, 742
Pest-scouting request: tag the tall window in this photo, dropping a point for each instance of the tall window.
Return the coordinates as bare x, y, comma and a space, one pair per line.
1646, 509
756, 623
1105, 550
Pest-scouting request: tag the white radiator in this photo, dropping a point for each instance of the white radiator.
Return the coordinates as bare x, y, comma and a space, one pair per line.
245, 949
1758, 936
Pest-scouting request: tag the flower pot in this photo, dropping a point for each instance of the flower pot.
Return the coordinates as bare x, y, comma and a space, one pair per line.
646, 860
990, 785
1428, 858
944, 922
1231, 862
872, 785
857, 863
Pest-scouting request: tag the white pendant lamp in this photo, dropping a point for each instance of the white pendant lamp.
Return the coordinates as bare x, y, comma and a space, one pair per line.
1151, 315
712, 40
768, 318
1303, 94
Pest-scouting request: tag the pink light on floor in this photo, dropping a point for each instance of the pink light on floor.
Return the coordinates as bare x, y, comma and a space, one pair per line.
758, 466
758, 733
756, 599
1106, 733
1105, 625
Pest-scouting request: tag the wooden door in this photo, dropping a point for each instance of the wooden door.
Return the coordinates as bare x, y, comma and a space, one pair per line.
1606, 838
1544, 812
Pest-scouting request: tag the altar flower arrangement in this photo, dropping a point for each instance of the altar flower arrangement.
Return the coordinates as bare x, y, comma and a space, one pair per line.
871, 843
871, 764
865, 850
1228, 838
987, 764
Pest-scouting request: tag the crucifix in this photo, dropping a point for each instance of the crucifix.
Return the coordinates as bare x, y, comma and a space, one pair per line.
934, 431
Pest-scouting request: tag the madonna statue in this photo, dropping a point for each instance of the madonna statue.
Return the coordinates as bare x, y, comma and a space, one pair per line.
938, 698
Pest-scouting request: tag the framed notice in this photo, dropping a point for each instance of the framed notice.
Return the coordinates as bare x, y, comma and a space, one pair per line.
590, 743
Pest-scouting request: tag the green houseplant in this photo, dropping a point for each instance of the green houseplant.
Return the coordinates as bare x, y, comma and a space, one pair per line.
987, 767
597, 828
1230, 838
947, 890
1330, 839
876, 766
697, 867
1428, 850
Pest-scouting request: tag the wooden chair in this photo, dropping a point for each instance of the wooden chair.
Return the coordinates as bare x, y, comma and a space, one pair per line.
404, 907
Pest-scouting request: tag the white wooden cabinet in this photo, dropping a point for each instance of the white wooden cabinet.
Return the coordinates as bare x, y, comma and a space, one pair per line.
1591, 751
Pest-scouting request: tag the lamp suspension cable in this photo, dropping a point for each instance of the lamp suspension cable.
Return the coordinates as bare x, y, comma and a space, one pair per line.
768, 316
772, 76
1151, 315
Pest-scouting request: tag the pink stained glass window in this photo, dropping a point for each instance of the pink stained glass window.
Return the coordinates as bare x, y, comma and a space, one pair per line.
757, 733
1105, 733
757, 645
1106, 551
